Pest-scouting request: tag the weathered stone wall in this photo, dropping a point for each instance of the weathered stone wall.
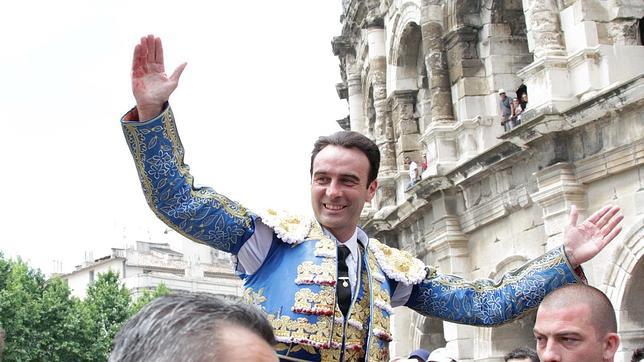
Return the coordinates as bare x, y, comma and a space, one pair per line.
490, 200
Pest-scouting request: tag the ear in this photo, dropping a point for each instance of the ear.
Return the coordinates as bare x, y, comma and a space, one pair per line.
371, 190
611, 342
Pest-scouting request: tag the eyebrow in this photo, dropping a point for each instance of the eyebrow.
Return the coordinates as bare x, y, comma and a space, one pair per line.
344, 175
560, 334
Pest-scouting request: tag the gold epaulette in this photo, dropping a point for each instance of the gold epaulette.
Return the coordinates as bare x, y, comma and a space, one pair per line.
398, 265
292, 229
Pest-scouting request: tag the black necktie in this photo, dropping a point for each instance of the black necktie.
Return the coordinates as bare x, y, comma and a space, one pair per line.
343, 287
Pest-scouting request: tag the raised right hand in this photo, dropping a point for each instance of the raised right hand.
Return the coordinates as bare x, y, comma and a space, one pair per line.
150, 85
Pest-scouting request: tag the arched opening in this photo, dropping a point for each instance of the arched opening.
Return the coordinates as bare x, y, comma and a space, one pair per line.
504, 47
409, 60
631, 316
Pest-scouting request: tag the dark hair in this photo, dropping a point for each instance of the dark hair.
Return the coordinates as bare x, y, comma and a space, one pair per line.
186, 326
638, 355
522, 353
350, 139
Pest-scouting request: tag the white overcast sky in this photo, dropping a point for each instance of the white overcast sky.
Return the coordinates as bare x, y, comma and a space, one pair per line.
258, 90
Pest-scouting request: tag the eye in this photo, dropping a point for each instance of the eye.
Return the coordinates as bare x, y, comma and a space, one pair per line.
321, 179
349, 181
539, 339
569, 340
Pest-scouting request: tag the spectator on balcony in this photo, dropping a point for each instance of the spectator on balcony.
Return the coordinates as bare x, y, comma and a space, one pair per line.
515, 119
413, 171
505, 108
423, 165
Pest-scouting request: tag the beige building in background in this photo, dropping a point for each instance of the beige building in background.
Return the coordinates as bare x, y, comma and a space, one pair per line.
421, 78
181, 265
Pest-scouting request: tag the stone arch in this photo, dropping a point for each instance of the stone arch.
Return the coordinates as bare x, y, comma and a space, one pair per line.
624, 286
496, 342
406, 53
504, 41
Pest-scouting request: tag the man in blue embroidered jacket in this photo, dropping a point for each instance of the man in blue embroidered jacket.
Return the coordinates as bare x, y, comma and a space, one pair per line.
322, 306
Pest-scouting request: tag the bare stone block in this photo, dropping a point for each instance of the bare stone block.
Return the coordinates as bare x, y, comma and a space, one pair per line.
408, 143
471, 86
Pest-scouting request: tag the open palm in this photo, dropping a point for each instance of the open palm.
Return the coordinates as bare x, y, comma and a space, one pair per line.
582, 242
150, 85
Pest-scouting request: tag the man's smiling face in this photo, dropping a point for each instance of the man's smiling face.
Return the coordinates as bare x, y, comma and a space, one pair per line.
339, 189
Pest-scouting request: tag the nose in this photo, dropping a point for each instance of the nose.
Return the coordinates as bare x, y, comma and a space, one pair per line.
333, 189
550, 353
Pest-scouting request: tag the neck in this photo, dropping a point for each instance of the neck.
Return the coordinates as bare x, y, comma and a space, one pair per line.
342, 236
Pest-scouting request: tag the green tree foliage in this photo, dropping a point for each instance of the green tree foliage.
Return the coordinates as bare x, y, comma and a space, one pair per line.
43, 322
108, 303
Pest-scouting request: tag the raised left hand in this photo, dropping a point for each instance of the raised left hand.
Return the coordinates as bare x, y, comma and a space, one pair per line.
582, 242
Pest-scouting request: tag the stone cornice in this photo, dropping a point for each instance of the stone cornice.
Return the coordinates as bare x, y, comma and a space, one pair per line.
464, 33
402, 96
599, 166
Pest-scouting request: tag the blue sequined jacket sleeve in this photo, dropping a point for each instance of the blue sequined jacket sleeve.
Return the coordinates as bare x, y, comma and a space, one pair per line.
201, 214
486, 302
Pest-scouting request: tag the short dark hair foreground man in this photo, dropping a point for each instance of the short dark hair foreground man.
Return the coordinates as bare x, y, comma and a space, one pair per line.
196, 328
521, 354
576, 323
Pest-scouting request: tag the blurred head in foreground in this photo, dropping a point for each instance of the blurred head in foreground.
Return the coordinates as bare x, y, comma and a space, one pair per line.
196, 328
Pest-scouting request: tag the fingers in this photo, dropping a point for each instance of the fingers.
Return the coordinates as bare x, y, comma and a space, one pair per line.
177, 72
608, 228
151, 48
135, 57
607, 217
143, 55
574, 216
598, 214
608, 238
159, 51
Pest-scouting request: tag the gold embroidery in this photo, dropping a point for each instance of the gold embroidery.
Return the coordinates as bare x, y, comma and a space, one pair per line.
254, 298
398, 264
325, 247
308, 302
310, 273
379, 321
300, 331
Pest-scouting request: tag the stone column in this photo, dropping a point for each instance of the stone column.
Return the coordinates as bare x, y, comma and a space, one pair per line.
558, 191
544, 29
383, 130
356, 99
436, 61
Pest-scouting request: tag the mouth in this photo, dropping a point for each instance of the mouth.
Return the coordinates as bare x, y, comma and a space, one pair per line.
334, 207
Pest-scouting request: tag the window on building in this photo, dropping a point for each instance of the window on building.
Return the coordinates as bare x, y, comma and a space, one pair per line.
91, 276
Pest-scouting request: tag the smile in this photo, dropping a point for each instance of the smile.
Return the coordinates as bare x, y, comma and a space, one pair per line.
333, 207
